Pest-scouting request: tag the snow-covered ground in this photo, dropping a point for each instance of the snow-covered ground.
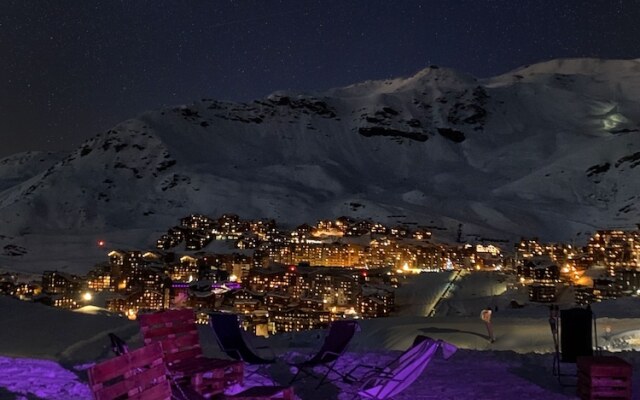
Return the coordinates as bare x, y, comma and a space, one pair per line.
44, 352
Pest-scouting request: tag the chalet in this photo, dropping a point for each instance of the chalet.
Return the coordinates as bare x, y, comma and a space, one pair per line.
8, 277
231, 297
151, 257
229, 224
248, 241
277, 301
605, 288
196, 241
372, 307
628, 281
185, 271
7, 288
153, 278
399, 231
299, 319
421, 234
488, 256
328, 228
65, 301
583, 295
142, 300
126, 259
541, 269
25, 291
246, 306
616, 249
263, 228
359, 228
197, 222
165, 242
55, 282
334, 285
345, 221
528, 248
262, 279
99, 279
213, 274
375, 301
172, 238
176, 233
380, 229
202, 297
312, 303
301, 234
542, 293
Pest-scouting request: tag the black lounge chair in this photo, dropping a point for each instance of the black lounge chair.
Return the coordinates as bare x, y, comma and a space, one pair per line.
335, 343
573, 337
118, 346
231, 340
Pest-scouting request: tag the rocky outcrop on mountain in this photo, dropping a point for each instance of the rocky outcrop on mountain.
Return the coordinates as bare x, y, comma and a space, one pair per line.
549, 150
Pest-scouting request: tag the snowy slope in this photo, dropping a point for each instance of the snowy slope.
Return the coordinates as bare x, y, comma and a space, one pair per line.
20, 167
44, 351
548, 150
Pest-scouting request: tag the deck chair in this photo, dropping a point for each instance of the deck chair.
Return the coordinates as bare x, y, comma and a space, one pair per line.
231, 340
400, 374
335, 343
139, 374
350, 377
572, 337
118, 346
177, 331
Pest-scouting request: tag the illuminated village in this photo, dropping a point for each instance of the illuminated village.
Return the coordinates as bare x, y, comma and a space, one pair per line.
283, 281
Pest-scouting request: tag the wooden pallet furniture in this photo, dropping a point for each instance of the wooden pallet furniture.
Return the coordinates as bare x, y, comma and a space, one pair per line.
138, 375
177, 331
604, 378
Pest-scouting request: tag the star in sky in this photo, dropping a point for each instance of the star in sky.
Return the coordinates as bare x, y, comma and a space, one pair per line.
71, 70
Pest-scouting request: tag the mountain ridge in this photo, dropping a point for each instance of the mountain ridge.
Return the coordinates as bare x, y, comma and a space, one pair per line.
532, 152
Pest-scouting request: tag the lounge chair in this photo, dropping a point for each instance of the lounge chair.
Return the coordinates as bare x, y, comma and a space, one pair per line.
350, 377
231, 340
118, 346
142, 375
573, 337
177, 331
381, 384
139, 374
335, 343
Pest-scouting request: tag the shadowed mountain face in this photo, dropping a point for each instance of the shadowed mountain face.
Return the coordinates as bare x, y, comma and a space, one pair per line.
550, 150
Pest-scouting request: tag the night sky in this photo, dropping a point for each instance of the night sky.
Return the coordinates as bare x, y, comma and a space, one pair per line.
71, 69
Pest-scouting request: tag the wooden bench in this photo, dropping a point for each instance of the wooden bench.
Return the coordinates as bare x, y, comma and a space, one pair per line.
604, 378
138, 375
177, 331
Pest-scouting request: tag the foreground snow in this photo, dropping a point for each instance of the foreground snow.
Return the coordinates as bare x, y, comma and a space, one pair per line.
45, 351
469, 374
42, 378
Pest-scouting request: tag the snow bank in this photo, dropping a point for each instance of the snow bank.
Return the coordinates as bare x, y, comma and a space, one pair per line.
44, 351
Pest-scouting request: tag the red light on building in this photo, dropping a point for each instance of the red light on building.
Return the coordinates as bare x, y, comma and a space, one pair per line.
364, 273
292, 268
101, 243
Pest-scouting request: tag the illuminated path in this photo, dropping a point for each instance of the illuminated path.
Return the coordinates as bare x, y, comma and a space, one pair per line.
444, 293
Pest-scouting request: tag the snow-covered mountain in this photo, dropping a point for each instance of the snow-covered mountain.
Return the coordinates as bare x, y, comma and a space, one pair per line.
547, 150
